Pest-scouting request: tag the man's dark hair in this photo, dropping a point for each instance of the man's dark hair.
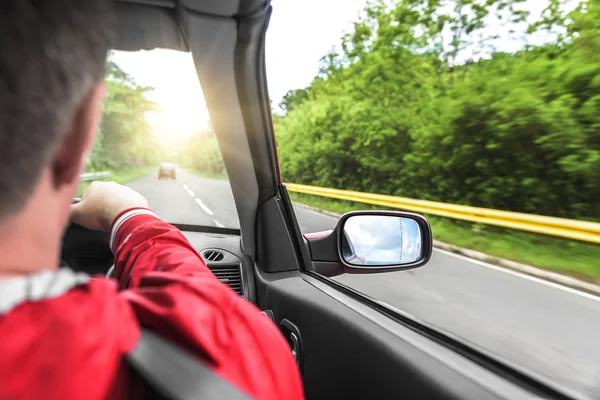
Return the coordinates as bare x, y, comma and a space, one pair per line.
52, 52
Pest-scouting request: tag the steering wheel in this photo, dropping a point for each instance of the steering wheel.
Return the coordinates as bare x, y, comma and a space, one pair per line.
111, 272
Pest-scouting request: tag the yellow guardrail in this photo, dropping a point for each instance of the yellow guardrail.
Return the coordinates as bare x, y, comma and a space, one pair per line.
562, 227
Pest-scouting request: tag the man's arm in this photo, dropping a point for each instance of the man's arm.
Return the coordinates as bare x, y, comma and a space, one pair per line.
173, 293
142, 243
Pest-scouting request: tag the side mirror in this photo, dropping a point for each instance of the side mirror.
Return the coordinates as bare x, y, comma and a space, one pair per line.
372, 241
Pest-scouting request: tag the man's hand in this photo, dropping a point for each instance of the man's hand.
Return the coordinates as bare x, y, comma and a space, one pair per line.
102, 202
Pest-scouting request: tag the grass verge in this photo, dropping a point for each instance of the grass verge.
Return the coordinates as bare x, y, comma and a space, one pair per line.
577, 259
122, 176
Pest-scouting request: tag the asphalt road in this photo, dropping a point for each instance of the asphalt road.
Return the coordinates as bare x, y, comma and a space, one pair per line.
190, 199
549, 329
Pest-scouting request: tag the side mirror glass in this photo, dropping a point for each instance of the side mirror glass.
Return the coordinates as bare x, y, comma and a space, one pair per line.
367, 242
384, 240
381, 240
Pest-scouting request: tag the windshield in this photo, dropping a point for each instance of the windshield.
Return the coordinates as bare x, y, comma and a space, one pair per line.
156, 137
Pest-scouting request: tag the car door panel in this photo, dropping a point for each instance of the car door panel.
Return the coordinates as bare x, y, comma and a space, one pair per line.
352, 351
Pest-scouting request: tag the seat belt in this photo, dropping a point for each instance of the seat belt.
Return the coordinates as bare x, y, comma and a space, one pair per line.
177, 375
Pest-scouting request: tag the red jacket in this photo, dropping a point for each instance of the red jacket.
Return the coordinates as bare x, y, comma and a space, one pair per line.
64, 335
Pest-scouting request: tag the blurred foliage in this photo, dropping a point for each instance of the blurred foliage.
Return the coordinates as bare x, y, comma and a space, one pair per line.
125, 139
401, 110
202, 154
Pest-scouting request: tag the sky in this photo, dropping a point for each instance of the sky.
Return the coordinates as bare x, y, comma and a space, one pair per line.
384, 239
300, 33
177, 91
303, 31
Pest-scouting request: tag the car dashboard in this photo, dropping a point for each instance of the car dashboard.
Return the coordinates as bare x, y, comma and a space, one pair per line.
88, 251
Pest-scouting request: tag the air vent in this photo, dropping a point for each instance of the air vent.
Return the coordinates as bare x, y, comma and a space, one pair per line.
229, 275
213, 255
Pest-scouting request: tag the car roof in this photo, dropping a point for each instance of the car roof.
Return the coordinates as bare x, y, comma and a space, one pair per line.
222, 8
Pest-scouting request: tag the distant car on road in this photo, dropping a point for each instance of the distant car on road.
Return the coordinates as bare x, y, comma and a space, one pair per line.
167, 169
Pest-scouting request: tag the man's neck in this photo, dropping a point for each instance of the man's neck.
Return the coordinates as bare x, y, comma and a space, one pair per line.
30, 239
25, 250
29, 243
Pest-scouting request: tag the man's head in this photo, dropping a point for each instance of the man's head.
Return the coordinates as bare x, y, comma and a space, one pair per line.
52, 58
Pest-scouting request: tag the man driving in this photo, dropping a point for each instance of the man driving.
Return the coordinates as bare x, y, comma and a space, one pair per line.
66, 335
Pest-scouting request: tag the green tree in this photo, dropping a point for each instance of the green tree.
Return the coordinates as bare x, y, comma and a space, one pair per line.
293, 98
125, 139
202, 153
402, 111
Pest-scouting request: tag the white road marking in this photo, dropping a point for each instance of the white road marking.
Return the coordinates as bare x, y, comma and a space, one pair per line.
522, 275
203, 206
187, 189
200, 203
317, 212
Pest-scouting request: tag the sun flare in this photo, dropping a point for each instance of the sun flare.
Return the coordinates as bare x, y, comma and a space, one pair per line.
177, 93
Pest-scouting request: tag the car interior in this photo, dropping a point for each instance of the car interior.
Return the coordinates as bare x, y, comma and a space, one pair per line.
346, 344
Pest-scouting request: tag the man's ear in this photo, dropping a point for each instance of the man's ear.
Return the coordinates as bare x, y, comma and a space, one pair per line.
70, 156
